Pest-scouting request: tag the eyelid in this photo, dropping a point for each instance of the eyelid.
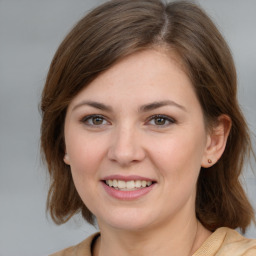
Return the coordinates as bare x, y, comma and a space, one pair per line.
88, 117
167, 118
170, 120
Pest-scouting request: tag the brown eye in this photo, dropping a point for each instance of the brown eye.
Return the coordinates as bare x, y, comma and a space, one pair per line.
94, 120
160, 121
97, 120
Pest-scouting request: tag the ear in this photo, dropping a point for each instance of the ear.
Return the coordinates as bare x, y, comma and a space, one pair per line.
216, 141
66, 159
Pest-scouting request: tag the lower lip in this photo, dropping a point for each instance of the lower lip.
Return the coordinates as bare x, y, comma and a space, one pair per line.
127, 195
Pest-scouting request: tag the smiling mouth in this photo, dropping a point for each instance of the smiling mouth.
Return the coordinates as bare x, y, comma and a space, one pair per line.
128, 185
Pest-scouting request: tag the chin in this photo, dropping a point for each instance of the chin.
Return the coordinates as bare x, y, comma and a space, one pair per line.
126, 220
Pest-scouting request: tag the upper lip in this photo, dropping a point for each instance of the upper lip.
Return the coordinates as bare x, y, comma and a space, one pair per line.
127, 178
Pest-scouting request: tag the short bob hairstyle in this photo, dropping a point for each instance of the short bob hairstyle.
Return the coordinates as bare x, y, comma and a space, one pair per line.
115, 30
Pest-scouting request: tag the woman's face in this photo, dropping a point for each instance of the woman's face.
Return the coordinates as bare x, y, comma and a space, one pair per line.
135, 141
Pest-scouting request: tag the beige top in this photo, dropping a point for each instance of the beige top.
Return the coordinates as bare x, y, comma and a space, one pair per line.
223, 242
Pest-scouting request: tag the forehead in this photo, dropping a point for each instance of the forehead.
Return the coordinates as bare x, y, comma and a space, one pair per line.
142, 72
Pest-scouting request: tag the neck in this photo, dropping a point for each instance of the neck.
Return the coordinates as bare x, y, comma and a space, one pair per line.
177, 239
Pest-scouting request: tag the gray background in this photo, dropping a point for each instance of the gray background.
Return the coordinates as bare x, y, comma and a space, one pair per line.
30, 32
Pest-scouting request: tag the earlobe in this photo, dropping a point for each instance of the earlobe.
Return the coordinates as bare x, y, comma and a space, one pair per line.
66, 159
216, 141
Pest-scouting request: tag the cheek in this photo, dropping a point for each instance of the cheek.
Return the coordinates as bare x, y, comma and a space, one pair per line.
85, 153
180, 155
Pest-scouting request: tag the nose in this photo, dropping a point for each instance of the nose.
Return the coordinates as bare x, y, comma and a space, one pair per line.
126, 146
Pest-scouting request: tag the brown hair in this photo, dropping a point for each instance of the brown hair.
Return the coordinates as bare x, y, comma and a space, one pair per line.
115, 30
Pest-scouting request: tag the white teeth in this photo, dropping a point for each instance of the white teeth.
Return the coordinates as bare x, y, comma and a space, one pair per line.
121, 184
115, 183
137, 183
149, 183
128, 185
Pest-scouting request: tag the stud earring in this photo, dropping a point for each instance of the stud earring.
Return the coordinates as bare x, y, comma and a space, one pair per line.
209, 161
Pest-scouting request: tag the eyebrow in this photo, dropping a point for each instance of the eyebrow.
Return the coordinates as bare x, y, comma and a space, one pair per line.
143, 108
159, 104
94, 104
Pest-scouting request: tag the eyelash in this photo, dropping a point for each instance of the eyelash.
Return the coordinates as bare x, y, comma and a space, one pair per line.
164, 117
89, 119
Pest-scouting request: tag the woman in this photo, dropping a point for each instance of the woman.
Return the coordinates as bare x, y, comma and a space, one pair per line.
142, 132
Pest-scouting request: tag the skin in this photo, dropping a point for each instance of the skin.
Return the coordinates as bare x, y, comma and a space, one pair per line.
130, 140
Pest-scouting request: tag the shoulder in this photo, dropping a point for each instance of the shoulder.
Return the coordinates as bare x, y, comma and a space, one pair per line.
227, 242
237, 244
81, 249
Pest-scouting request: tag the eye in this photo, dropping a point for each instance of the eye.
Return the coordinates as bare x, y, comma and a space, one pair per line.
160, 120
94, 120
